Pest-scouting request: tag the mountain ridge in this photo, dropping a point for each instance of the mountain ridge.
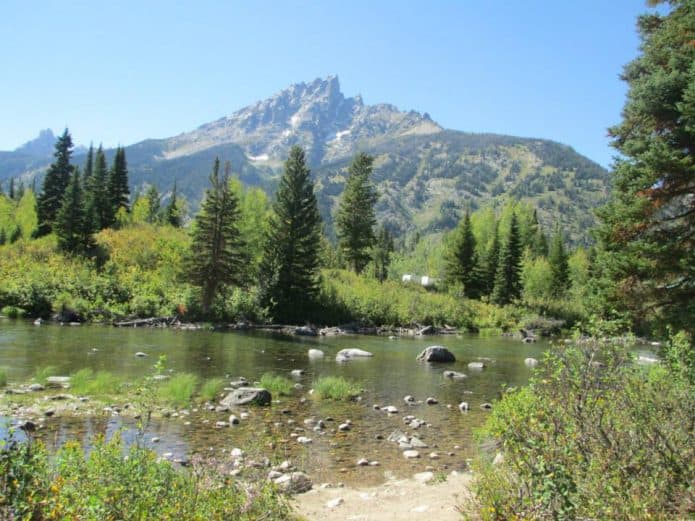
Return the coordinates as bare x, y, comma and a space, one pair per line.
425, 174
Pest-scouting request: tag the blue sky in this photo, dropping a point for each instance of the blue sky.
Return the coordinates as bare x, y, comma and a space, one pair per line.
121, 71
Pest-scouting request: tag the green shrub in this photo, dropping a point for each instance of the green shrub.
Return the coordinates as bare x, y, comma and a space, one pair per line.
335, 388
105, 484
179, 389
593, 436
211, 388
103, 383
277, 385
13, 312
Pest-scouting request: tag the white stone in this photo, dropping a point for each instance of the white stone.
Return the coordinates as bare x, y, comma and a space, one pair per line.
335, 502
424, 477
411, 454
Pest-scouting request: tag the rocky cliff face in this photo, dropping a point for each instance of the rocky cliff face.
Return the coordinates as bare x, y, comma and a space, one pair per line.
315, 115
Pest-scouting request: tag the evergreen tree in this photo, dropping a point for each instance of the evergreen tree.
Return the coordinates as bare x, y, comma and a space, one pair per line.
508, 276
118, 191
647, 260
355, 220
173, 216
461, 263
71, 226
20, 191
491, 261
3, 236
382, 253
154, 204
88, 166
559, 266
55, 183
291, 252
10, 192
217, 254
99, 209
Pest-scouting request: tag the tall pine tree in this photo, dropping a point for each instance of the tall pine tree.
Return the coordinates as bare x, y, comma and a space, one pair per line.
492, 256
508, 276
55, 183
558, 259
217, 257
291, 253
99, 208
173, 212
355, 220
461, 263
647, 238
118, 191
382, 253
71, 225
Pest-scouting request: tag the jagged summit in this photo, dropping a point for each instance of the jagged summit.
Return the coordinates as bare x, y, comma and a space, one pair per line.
40, 146
316, 115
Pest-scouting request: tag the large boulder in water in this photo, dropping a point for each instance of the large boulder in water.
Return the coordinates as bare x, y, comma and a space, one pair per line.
247, 396
348, 354
436, 354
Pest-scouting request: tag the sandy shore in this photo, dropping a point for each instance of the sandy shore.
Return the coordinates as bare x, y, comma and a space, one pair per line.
394, 500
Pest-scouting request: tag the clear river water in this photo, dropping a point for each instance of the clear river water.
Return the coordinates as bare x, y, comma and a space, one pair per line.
386, 378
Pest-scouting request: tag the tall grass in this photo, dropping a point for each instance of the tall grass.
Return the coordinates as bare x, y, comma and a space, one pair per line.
42, 373
335, 388
211, 389
277, 385
178, 390
85, 381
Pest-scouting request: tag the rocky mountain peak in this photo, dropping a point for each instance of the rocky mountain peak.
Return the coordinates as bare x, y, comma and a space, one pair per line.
315, 115
40, 146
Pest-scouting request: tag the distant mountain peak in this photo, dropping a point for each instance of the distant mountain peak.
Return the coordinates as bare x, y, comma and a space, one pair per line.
40, 146
315, 115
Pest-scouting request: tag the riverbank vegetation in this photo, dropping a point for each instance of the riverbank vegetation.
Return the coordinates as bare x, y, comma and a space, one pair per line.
593, 436
103, 484
335, 388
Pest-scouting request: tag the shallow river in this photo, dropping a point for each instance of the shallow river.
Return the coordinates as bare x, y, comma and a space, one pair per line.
387, 377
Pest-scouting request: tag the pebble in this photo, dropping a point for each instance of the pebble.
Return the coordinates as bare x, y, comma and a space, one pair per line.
344, 427
335, 502
390, 409
236, 452
374, 463
409, 399
140, 354
463, 407
434, 455
431, 401
221, 424
411, 454
486, 406
362, 462
304, 440
154, 440
244, 416
233, 420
